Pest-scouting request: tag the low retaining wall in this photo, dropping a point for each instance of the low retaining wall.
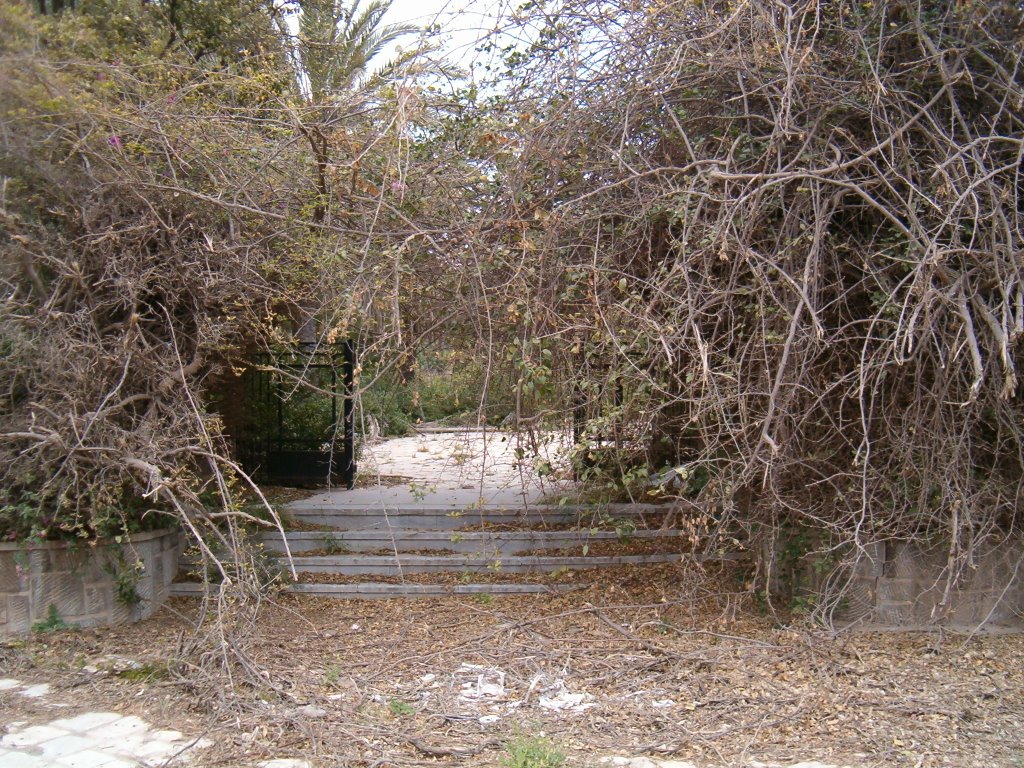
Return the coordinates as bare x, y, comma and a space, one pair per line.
82, 582
905, 584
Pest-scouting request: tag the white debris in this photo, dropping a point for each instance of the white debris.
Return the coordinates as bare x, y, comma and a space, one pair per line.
644, 762
629, 762
484, 683
575, 702
428, 678
555, 696
489, 719
662, 703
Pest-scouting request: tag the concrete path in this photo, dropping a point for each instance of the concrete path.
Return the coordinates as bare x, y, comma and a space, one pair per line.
454, 470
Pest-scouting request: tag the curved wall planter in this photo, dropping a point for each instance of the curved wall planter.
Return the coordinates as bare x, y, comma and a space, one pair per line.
88, 584
904, 584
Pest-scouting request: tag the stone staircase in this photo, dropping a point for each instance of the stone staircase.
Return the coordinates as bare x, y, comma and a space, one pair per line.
416, 549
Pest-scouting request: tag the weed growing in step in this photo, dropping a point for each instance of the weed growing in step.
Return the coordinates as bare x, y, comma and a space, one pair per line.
332, 545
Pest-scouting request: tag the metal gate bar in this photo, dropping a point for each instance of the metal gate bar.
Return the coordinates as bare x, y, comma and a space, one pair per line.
279, 452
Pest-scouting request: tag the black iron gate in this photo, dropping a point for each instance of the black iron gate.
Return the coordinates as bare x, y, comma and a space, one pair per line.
299, 418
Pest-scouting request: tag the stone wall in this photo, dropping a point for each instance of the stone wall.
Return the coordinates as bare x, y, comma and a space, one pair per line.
79, 580
905, 584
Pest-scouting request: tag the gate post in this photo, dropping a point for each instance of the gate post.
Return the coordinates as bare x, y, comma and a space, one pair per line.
348, 453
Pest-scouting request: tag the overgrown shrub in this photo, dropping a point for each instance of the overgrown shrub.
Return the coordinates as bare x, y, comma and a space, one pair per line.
788, 235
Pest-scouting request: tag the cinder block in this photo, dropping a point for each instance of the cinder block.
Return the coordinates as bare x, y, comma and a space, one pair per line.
18, 617
170, 564
121, 613
897, 590
38, 561
970, 608
871, 560
995, 569
893, 613
931, 593
97, 567
908, 561
10, 577
62, 590
144, 587
61, 558
98, 598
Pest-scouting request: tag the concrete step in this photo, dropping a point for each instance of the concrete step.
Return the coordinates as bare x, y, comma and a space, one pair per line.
448, 518
486, 542
390, 565
377, 590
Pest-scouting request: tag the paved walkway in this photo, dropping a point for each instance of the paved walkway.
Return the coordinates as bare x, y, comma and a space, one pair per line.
87, 740
97, 739
453, 470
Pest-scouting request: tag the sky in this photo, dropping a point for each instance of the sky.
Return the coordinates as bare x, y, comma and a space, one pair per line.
462, 21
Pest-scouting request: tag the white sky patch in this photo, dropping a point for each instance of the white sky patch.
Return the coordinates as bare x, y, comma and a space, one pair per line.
462, 24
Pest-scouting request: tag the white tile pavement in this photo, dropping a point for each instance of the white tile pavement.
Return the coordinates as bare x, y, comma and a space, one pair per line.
97, 740
89, 740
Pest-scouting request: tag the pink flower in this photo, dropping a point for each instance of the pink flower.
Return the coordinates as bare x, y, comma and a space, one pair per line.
398, 186
114, 141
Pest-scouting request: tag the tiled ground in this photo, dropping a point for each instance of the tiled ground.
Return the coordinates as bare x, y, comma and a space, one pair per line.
88, 739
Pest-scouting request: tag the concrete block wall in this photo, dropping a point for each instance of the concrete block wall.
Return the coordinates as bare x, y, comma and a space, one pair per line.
905, 584
79, 580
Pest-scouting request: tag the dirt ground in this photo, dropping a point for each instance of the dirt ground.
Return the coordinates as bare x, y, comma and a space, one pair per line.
648, 664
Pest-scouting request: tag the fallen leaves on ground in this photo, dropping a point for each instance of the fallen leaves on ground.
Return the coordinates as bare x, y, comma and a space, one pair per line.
649, 662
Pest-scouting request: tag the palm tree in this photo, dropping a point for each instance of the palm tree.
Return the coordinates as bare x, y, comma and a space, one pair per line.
330, 47
336, 41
